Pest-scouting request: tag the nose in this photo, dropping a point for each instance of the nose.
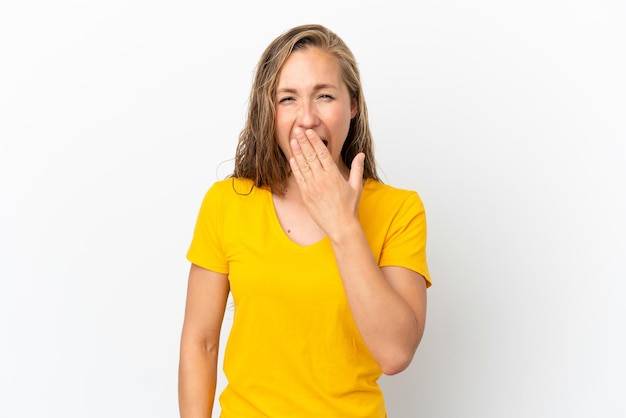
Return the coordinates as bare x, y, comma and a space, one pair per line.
307, 116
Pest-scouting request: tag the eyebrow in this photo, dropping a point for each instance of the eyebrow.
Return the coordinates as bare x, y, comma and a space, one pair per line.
317, 87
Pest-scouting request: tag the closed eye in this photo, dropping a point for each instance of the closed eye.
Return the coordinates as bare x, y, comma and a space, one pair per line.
285, 99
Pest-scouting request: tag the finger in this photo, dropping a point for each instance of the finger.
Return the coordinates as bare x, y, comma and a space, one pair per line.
299, 159
296, 172
321, 151
356, 171
308, 152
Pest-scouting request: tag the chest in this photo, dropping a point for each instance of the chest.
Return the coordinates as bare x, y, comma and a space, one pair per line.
295, 221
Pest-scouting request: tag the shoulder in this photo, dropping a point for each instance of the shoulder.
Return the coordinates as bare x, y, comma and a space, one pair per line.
386, 196
231, 188
233, 195
233, 185
229, 200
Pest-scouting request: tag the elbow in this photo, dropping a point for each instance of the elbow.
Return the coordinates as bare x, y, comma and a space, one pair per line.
394, 355
398, 357
390, 371
396, 363
202, 344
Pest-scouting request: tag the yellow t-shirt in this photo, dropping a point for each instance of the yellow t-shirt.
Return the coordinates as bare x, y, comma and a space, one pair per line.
294, 349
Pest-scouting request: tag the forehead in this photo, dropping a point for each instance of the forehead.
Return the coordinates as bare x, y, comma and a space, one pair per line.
310, 66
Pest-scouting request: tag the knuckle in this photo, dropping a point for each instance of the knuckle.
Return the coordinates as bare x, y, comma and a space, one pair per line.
323, 154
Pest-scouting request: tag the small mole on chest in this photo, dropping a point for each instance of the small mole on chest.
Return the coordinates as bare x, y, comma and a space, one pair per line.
289, 231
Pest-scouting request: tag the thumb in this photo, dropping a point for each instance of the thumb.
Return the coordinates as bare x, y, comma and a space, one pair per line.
356, 171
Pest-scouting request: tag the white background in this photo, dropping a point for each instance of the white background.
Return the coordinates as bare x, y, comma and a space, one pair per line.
507, 117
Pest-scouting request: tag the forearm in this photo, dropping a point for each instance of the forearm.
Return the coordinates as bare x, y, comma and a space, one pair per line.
197, 379
386, 322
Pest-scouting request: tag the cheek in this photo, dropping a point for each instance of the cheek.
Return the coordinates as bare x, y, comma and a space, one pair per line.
281, 127
281, 135
346, 120
283, 122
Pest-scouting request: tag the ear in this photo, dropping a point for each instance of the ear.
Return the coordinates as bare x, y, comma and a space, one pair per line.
354, 107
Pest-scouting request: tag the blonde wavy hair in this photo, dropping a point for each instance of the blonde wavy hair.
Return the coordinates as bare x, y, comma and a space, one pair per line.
258, 156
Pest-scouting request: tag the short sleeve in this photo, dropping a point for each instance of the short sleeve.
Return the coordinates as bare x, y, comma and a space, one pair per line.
405, 243
206, 248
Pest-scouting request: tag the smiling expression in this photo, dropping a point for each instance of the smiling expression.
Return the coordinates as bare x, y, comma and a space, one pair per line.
311, 94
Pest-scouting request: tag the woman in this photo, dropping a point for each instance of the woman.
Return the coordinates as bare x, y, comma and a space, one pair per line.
326, 265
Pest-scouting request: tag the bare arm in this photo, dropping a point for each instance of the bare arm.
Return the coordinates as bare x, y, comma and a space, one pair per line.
388, 304
207, 293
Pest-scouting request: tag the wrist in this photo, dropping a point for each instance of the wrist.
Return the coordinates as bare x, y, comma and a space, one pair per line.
347, 232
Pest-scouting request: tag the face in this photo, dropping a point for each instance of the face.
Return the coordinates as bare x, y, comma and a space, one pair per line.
312, 95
